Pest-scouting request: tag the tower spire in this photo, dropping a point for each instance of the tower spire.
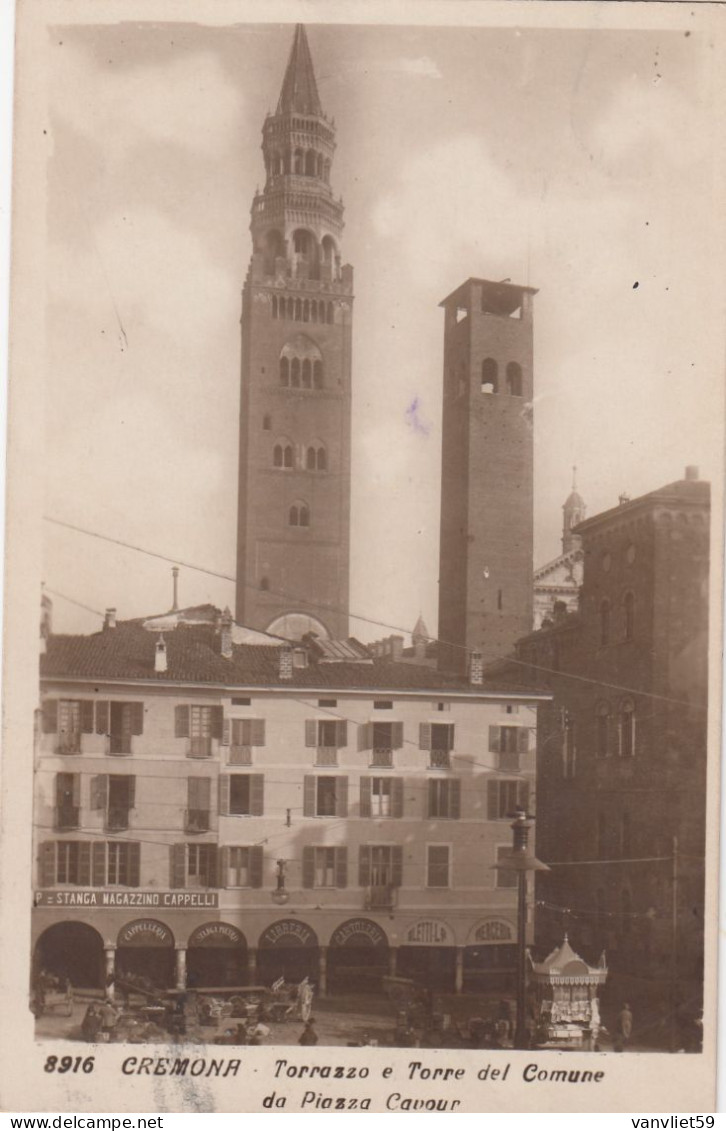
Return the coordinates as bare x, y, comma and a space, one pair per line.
299, 92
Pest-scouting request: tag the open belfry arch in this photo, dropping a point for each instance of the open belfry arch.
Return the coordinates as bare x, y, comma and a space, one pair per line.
295, 422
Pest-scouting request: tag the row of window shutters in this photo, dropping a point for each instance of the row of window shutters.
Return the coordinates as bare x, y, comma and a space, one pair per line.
98, 863
244, 795
252, 732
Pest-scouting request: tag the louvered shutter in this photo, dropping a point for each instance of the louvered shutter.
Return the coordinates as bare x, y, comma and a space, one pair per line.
134, 864
137, 718
341, 733
523, 795
223, 867
99, 791
101, 716
494, 739
98, 863
76, 789
84, 863
308, 867
131, 791
364, 866
341, 797
199, 792
365, 797
217, 722
493, 800
46, 864
50, 716
224, 794
341, 867
87, 716
365, 740
256, 865
424, 736
181, 721
177, 865
226, 732
396, 797
396, 735
311, 732
455, 799
257, 736
308, 796
450, 736
257, 795
522, 740
432, 799
214, 865
397, 862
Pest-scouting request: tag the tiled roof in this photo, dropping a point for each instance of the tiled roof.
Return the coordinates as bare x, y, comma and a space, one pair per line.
127, 652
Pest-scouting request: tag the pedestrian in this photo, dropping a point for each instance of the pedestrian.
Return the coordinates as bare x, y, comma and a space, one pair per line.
109, 1017
624, 1028
308, 1035
92, 1022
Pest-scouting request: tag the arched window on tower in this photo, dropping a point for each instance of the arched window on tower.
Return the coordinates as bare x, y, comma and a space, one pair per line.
330, 313
301, 359
287, 161
299, 161
298, 310
277, 455
605, 621
319, 166
274, 306
316, 458
326, 171
299, 515
266, 422
282, 454
284, 371
306, 311
276, 164
313, 311
288, 456
290, 309
626, 728
489, 375
264, 583
307, 374
628, 616
317, 374
321, 311
514, 379
273, 250
310, 163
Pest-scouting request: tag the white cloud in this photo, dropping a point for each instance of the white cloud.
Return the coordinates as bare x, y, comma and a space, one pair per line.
188, 102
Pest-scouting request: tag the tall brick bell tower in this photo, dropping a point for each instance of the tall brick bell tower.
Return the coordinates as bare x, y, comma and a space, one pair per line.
485, 572
297, 307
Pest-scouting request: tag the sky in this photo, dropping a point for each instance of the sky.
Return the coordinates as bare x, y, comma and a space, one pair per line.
578, 162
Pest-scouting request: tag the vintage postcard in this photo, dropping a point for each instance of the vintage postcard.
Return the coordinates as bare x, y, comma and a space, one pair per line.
362, 682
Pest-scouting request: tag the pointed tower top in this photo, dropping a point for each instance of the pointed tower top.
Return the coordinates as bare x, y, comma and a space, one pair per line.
420, 631
299, 90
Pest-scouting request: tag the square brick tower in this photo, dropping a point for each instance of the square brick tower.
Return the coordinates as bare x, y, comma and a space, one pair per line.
485, 574
297, 305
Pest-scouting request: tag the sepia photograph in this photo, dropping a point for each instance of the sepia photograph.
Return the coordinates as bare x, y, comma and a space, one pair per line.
375, 536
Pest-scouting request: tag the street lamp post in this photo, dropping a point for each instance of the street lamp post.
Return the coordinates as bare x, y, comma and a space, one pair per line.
521, 861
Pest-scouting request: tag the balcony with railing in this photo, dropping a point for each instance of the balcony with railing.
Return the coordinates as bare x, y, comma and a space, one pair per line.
509, 761
67, 817
69, 742
240, 755
196, 821
200, 747
381, 756
117, 818
326, 756
381, 897
440, 760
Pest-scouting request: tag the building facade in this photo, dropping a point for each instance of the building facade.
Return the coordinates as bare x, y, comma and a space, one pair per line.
216, 808
622, 746
297, 309
485, 572
557, 583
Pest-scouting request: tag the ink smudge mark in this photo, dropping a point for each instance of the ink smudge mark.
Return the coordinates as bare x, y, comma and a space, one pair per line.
413, 419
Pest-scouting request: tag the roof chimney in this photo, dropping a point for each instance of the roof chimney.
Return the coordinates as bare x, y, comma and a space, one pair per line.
160, 655
691, 473
226, 634
285, 663
175, 576
109, 621
476, 668
623, 499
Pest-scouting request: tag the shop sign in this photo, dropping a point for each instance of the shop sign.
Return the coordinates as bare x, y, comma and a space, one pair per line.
429, 932
145, 932
288, 932
359, 932
216, 934
183, 900
493, 931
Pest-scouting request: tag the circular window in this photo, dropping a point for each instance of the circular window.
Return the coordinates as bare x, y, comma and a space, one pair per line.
630, 554
606, 561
